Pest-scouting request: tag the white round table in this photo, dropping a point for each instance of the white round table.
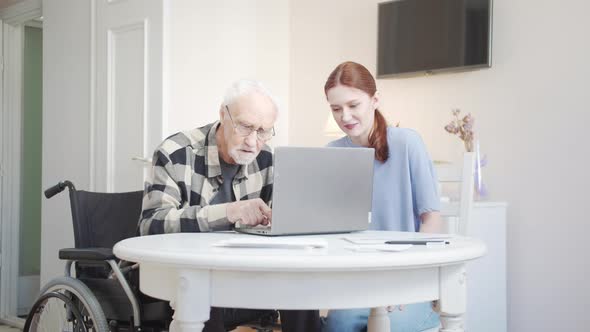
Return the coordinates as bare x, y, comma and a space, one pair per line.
191, 273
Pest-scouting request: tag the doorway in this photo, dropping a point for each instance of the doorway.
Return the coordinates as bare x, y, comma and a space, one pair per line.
30, 168
20, 158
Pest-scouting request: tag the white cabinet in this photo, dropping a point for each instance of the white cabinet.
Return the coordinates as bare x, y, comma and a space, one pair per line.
486, 276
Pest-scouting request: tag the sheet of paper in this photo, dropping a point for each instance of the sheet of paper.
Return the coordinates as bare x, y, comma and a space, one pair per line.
277, 243
380, 247
367, 239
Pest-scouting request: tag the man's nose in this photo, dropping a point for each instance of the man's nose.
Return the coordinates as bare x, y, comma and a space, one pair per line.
251, 139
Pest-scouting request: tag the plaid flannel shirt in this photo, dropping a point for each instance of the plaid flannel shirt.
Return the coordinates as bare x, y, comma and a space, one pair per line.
186, 176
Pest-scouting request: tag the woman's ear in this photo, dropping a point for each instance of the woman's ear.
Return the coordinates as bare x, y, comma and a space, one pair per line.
375, 100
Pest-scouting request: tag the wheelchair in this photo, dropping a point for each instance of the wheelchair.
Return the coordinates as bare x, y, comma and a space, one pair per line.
103, 292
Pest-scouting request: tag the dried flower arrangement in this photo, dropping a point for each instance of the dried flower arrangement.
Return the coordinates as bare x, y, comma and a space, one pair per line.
463, 127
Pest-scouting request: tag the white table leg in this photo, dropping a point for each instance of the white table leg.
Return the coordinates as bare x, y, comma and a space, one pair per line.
378, 320
453, 293
191, 306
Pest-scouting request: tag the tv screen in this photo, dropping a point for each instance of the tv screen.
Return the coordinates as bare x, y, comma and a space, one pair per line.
425, 36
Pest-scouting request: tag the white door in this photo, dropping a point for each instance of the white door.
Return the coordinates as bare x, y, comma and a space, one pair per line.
2, 121
10, 179
128, 118
102, 103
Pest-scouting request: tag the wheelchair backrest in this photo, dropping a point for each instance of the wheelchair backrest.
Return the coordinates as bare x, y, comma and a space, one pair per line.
103, 219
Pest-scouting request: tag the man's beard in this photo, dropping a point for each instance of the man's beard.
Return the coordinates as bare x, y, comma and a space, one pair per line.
242, 158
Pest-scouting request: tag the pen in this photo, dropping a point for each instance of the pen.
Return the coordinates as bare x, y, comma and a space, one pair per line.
424, 242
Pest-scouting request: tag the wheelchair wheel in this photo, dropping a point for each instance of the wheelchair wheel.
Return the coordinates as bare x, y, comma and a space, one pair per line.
66, 305
54, 311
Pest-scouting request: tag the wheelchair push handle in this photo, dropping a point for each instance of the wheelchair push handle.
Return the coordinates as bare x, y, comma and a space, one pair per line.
54, 190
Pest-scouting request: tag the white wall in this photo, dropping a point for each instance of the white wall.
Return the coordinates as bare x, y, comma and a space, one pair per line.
8, 3
531, 111
66, 102
212, 44
207, 46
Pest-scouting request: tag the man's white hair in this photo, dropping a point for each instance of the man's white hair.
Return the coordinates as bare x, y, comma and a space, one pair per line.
245, 87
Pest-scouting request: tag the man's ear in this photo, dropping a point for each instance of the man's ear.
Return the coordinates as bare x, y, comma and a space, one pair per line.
221, 113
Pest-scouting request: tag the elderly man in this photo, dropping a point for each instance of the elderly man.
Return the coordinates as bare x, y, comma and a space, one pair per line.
209, 178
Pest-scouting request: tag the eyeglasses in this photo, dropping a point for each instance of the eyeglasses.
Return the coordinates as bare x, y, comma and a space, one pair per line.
261, 134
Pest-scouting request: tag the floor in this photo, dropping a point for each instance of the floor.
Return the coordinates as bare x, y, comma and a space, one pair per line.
4, 328
243, 329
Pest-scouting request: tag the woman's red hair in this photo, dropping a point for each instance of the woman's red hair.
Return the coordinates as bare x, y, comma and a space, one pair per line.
355, 75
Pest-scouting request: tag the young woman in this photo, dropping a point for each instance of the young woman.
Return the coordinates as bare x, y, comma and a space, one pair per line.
405, 196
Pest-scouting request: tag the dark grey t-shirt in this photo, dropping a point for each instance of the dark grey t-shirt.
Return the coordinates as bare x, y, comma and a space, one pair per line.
226, 193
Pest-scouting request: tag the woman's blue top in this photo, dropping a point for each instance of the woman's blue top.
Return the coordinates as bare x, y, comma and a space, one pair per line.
404, 186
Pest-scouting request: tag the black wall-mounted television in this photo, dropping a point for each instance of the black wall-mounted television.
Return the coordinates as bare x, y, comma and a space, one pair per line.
426, 36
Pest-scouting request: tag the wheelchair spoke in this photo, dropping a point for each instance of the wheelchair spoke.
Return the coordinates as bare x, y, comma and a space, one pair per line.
51, 315
86, 322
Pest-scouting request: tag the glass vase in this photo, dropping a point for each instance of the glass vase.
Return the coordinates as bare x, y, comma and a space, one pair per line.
468, 145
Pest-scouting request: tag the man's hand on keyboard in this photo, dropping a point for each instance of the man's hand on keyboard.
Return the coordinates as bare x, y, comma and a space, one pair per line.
250, 212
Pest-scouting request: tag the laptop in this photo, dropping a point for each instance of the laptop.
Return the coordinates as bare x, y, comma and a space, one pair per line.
319, 190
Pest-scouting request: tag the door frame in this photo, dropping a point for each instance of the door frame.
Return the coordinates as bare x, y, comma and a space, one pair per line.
13, 19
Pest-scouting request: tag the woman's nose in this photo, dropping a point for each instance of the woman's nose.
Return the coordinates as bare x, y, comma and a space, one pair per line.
346, 116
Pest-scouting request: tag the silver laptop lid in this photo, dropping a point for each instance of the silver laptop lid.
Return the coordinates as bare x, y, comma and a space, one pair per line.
322, 190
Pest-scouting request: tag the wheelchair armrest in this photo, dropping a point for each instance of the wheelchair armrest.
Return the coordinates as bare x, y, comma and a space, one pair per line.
87, 254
